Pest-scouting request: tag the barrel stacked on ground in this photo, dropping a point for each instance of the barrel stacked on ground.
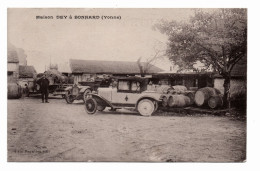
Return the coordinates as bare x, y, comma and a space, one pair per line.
208, 96
180, 96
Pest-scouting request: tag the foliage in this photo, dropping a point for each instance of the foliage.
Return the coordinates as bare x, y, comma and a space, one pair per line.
145, 66
217, 38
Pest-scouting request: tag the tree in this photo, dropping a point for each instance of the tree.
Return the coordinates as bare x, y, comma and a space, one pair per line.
145, 66
216, 37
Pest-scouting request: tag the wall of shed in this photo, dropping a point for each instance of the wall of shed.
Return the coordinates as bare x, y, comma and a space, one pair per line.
188, 81
237, 86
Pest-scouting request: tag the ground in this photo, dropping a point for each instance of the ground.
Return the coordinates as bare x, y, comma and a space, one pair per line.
58, 131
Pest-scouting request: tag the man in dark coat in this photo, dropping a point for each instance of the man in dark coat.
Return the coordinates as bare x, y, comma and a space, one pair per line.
44, 87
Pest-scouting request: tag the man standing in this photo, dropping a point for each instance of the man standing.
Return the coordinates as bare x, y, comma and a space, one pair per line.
44, 87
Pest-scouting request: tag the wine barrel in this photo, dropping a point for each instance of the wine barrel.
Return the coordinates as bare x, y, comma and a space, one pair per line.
202, 95
163, 89
215, 102
178, 101
14, 91
179, 89
191, 95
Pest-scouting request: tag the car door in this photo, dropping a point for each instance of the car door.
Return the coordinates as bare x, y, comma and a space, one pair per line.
125, 94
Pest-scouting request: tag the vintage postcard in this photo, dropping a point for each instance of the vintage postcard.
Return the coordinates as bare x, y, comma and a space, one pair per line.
126, 85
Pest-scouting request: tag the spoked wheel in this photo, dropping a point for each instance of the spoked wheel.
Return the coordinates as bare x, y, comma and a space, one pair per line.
85, 95
69, 98
146, 107
91, 105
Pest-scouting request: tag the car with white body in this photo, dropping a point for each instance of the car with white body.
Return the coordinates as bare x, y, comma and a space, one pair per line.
129, 92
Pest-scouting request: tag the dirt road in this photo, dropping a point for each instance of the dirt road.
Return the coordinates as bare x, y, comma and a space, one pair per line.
64, 132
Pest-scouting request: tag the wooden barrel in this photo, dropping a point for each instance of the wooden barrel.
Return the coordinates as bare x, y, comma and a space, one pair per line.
178, 101
191, 95
14, 91
202, 95
215, 102
163, 89
179, 89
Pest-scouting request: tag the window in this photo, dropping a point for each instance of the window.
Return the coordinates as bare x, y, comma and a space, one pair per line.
124, 85
135, 86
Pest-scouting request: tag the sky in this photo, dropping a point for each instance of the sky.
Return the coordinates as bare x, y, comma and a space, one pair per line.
56, 41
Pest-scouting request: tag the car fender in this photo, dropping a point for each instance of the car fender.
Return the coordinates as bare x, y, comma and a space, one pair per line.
101, 100
83, 89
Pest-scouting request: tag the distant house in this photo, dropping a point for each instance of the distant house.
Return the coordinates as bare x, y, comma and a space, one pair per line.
26, 72
88, 70
26, 75
12, 65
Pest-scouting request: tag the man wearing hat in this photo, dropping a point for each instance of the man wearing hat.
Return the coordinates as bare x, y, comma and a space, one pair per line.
44, 87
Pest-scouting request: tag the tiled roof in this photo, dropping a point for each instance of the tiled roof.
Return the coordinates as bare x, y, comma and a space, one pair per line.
112, 67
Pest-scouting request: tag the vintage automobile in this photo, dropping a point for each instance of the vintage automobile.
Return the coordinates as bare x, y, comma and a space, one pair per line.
76, 92
129, 92
80, 91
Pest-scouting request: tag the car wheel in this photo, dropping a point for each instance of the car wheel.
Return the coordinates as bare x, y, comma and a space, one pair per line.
91, 105
69, 98
85, 95
155, 106
146, 107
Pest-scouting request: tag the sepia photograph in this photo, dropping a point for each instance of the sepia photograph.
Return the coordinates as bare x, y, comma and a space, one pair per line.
127, 85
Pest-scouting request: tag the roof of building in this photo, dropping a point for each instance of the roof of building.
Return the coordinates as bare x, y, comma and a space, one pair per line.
111, 67
239, 70
26, 71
